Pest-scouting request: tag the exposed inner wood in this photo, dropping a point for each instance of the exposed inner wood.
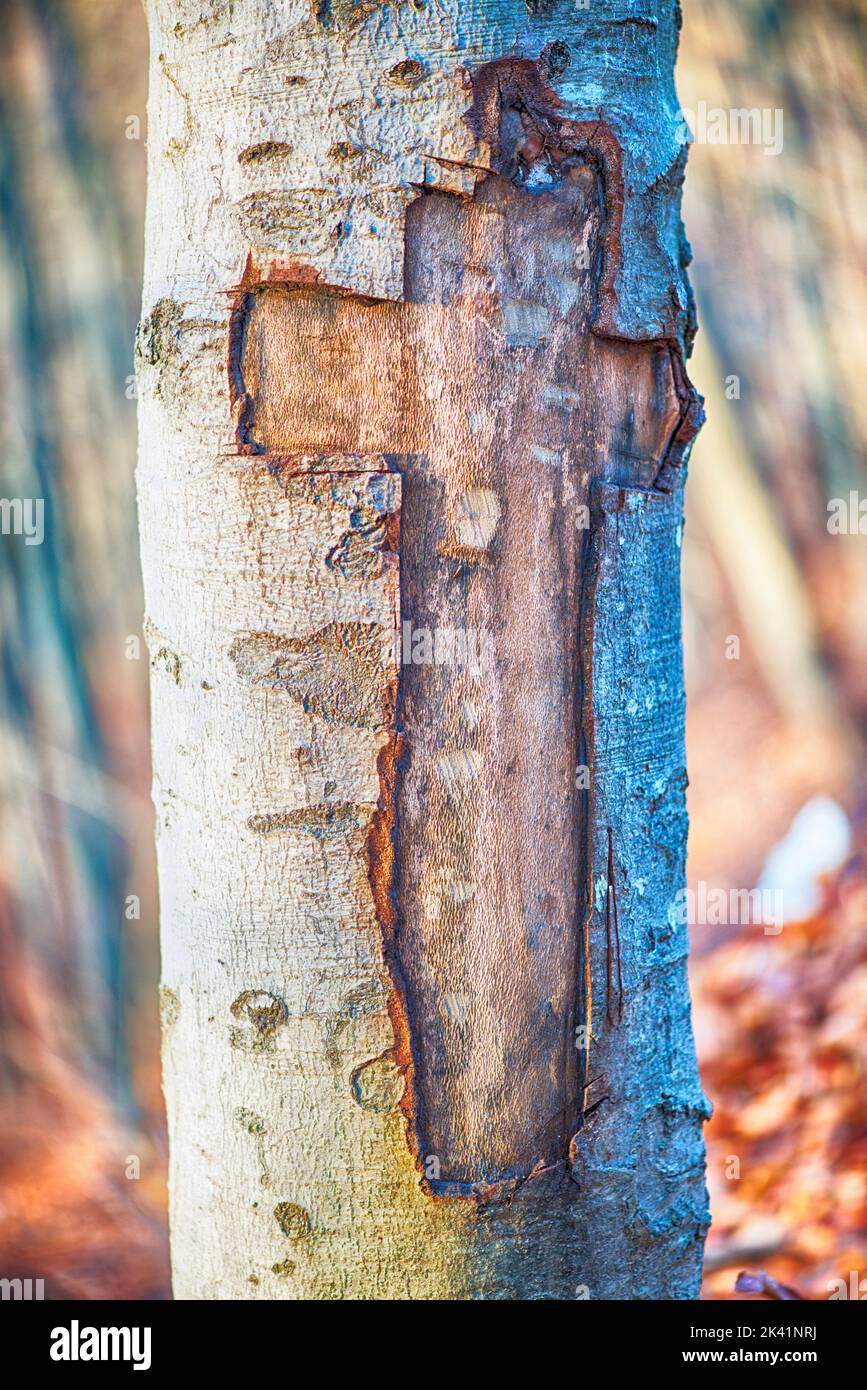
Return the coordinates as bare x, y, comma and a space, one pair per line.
487, 390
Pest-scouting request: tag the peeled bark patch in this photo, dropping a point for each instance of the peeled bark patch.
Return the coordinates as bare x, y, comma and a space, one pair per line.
336, 672
498, 404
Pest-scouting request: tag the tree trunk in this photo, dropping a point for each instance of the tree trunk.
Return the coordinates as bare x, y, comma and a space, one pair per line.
410, 495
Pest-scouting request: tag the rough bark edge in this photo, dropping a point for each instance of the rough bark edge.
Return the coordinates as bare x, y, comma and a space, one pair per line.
603, 1150
518, 84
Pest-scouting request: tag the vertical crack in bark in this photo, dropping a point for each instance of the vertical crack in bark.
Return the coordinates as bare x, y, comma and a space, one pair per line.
614, 1010
380, 850
584, 992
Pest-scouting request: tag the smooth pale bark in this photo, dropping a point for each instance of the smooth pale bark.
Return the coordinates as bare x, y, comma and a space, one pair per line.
411, 361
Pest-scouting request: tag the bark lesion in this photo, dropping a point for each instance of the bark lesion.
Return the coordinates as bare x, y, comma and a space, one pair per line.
336, 672
497, 312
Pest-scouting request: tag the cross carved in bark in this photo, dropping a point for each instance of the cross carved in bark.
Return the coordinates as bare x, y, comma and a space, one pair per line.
488, 390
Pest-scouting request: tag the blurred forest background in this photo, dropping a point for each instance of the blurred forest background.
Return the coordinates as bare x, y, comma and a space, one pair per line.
777, 719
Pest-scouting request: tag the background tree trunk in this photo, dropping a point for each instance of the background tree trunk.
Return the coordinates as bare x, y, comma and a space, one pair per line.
411, 366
